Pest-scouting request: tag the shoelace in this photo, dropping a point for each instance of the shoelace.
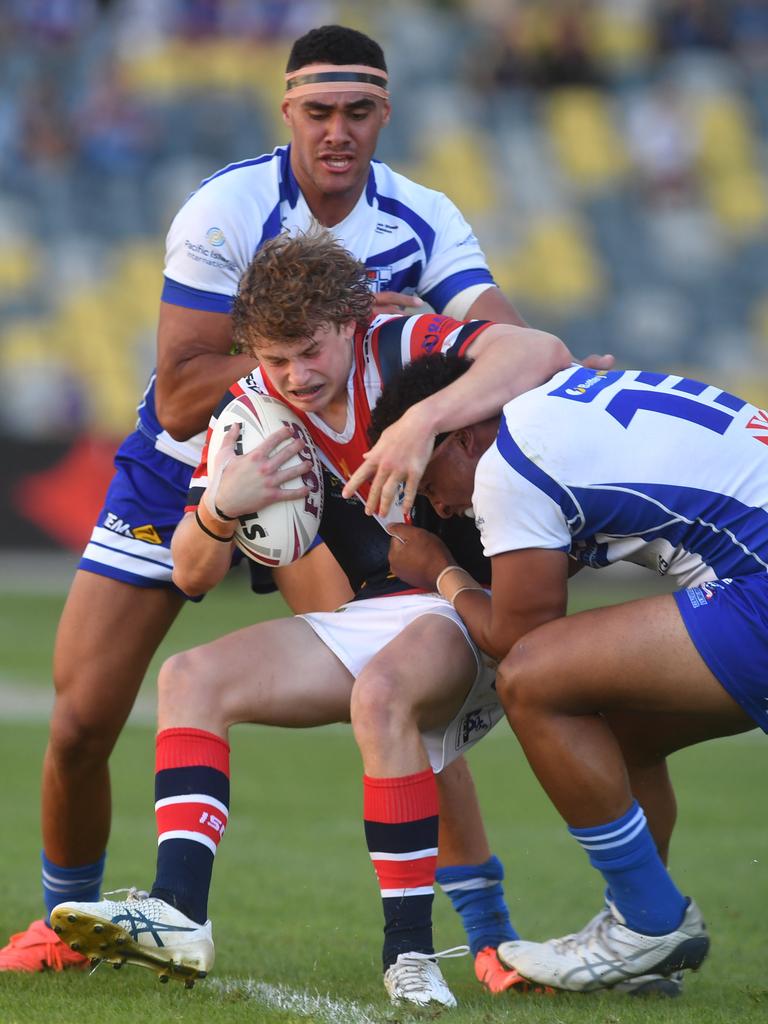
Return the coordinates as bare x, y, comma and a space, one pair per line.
413, 969
52, 950
130, 894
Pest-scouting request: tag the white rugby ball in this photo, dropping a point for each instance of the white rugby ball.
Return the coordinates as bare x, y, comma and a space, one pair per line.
282, 532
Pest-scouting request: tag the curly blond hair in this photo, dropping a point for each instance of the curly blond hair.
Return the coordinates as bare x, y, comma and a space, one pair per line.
293, 286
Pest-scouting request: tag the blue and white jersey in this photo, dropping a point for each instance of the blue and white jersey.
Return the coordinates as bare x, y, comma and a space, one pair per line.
655, 469
412, 239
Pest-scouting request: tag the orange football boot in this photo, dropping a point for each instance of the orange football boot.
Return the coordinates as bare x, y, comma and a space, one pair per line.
493, 975
39, 948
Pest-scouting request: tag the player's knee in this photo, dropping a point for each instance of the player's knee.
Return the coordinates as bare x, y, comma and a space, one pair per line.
79, 736
182, 679
522, 677
379, 707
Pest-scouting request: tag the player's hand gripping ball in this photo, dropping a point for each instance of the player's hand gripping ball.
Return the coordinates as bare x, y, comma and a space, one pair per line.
284, 531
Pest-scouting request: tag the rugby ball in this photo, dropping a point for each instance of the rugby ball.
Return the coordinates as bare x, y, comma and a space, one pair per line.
284, 531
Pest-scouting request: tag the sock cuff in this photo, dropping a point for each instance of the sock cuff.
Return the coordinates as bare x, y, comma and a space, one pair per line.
406, 798
82, 872
186, 748
611, 833
491, 870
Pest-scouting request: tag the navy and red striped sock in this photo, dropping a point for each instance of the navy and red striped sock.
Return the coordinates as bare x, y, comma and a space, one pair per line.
191, 808
401, 824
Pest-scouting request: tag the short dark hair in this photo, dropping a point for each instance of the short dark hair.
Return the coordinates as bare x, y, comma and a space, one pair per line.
335, 44
415, 382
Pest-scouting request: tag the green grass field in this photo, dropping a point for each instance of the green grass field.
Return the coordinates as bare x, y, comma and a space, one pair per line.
294, 902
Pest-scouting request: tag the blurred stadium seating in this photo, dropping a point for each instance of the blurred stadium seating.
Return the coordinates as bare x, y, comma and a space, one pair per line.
611, 156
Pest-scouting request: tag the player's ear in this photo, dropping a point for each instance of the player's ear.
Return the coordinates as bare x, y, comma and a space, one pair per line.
348, 329
285, 110
471, 443
386, 112
464, 439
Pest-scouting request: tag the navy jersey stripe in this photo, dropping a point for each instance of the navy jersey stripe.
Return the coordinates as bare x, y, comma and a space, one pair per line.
389, 355
462, 334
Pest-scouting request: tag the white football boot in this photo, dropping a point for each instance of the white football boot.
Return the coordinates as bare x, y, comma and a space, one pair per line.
653, 985
605, 953
416, 978
138, 930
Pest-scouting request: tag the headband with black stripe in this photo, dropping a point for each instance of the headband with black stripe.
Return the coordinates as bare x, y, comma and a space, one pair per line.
315, 78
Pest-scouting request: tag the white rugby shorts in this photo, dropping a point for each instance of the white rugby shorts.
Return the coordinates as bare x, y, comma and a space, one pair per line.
357, 631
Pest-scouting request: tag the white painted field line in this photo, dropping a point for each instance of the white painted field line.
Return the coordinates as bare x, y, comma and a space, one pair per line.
306, 1004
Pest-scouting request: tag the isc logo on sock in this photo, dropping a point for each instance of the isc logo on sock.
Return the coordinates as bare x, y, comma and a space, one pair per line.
212, 822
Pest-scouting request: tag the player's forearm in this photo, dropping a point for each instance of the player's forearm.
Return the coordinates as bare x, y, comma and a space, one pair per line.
189, 391
510, 361
200, 561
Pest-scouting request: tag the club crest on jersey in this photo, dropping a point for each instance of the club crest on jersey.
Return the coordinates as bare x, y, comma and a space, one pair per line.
584, 384
147, 532
379, 278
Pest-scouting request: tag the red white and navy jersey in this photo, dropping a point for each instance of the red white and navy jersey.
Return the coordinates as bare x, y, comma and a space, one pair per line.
359, 542
410, 238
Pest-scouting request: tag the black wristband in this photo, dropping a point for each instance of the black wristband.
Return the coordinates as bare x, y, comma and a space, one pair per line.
223, 515
215, 536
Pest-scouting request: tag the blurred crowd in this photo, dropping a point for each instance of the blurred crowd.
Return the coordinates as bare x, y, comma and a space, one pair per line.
612, 156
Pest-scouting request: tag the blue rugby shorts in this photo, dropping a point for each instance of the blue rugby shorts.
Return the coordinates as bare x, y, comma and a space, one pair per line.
728, 623
144, 502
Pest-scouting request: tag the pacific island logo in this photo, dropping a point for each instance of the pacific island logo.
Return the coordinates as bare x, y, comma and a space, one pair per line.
215, 236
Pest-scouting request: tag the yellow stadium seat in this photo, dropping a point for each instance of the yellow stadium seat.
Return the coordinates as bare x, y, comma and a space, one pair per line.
585, 138
739, 200
459, 163
19, 267
555, 268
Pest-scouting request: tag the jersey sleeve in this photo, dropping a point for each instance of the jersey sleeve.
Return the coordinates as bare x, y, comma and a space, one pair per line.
456, 260
512, 512
209, 245
396, 341
430, 333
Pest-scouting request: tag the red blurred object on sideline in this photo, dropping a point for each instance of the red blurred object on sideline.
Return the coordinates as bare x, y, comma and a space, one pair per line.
63, 500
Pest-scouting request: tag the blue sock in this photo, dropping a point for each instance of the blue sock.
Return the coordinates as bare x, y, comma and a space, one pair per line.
624, 852
476, 892
82, 884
